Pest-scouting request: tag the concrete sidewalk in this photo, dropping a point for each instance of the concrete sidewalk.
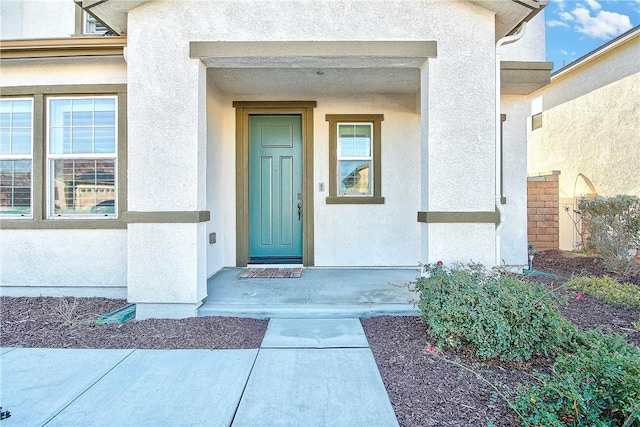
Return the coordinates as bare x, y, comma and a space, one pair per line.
308, 372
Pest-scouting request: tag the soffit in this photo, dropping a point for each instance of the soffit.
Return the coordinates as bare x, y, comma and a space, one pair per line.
511, 13
523, 78
113, 13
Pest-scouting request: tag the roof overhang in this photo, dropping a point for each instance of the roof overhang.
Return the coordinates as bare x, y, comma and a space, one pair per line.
511, 13
112, 13
523, 78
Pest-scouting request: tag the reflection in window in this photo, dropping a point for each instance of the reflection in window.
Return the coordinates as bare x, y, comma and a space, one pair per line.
82, 156
16, 141
354, 158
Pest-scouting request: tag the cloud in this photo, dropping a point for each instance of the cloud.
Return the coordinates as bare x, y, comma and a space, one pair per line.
567, 53
593, 4
556, 23
604, 25
566, 16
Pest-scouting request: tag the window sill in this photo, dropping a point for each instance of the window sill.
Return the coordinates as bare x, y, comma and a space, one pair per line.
355, 200
66, 224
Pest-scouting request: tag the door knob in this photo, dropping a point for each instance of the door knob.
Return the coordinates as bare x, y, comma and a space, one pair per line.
299, 211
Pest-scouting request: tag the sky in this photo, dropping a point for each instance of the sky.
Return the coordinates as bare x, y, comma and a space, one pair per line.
576, 27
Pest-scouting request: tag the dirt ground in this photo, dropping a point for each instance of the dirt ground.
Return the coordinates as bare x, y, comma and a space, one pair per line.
424, 390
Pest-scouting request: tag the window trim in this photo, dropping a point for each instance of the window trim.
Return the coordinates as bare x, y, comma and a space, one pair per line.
376, 121
29, 157
50, 157
39, 201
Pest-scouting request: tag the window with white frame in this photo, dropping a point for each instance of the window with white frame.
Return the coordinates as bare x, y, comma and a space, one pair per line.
82, 156
92, 25
16, 158
355, 158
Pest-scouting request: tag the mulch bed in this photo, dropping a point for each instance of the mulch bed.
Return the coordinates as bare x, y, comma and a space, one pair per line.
423, 389
50, 322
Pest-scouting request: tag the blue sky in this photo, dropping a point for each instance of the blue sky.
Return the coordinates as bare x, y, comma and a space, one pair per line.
576, 27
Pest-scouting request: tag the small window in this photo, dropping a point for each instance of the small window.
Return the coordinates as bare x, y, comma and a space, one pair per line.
82, 156
354, 146
536, 121
16, 147
92, 26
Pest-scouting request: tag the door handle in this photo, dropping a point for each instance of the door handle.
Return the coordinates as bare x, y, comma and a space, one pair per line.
299, 211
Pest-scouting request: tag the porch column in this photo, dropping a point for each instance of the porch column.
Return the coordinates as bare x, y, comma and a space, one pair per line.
457, 212
167, 237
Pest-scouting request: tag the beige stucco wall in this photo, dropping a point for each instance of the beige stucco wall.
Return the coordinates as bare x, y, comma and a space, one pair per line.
591, 125
64, 71
33, 19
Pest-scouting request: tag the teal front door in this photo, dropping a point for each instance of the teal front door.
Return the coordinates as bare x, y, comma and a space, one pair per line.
275, 188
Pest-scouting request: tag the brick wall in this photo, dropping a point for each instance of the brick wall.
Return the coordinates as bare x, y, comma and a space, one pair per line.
542, 211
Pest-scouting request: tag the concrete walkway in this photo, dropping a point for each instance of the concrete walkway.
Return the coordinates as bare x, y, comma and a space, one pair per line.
308, 372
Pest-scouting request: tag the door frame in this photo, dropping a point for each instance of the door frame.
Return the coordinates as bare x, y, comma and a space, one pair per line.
243, 110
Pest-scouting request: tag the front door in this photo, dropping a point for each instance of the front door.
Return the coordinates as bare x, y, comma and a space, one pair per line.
275, 189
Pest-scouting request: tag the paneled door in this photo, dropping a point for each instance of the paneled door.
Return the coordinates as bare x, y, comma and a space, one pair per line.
275, 188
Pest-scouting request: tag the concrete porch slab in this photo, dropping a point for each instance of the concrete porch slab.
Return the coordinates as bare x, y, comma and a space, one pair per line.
37, 383
314, 333
319, 293
310, 387
165, 387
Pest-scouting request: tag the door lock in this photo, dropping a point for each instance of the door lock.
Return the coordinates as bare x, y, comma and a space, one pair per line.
299, 211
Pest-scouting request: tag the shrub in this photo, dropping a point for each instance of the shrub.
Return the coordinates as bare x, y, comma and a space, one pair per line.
608, 290
614, 225
500, 317
597, 384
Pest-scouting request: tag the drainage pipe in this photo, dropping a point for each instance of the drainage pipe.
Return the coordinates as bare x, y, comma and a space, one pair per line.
498, 157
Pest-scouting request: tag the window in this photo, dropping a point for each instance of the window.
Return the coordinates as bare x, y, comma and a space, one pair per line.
16, 145
92, 26
81, 156
536, 121
354, 150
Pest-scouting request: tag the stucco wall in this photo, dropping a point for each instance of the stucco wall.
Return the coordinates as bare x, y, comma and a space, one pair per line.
63, 71
513, 245
63, 262
531, 47
591, 125
165, 115
220, 180
32, 19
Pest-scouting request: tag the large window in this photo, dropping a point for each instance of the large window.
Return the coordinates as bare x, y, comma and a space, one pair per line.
354, 150
82, 154
63, 162
16, 147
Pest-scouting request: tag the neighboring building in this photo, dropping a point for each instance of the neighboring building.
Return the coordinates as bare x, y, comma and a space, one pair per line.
586, 124
209, 134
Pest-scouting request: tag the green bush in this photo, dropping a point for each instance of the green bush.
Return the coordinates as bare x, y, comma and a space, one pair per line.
608, 290
500, 317
614, 224
597, 384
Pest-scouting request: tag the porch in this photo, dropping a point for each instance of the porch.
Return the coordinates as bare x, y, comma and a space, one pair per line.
319, 293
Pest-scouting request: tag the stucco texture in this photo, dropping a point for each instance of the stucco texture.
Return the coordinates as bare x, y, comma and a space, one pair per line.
591, 126
72, 259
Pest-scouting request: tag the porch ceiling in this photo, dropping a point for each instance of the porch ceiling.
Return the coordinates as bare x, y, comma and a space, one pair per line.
314, 68
289, 82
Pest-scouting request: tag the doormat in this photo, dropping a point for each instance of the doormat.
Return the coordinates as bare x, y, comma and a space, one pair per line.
271, 273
